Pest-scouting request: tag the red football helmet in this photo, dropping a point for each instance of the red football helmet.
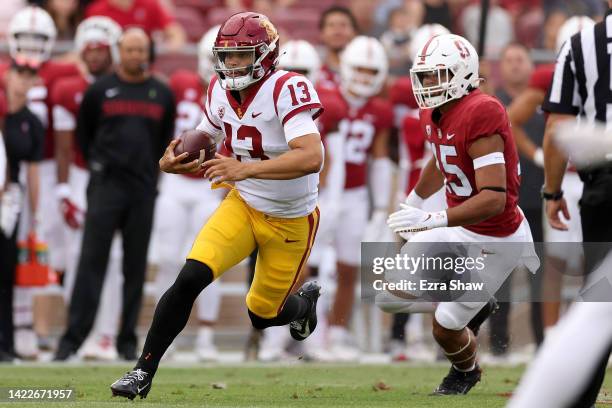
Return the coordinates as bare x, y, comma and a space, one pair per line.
245, 33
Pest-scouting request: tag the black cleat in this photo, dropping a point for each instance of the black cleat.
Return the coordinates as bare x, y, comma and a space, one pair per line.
457, 382
302, 328
482, 315
133, 383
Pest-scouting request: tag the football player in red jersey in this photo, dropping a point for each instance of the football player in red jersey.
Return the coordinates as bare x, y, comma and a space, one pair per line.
475, 157
190, 196
520, 111
31, 36
96, 44
365, 124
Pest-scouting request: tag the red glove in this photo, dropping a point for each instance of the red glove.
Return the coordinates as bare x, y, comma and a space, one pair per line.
73, 215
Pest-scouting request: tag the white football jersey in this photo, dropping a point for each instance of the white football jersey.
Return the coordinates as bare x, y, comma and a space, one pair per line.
253, 130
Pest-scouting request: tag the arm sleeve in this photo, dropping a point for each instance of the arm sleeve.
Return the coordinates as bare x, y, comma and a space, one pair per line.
487, 119
563, 95
87, 121
381, 174
295, 95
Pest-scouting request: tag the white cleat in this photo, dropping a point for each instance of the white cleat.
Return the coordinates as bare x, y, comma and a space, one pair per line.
273, 343
204, 345
26, 344
397, 351
340, 349
101, 348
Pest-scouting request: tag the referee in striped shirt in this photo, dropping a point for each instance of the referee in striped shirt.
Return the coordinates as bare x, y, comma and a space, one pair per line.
582, 87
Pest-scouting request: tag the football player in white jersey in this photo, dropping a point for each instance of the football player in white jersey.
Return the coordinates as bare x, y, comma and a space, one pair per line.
265, 117
301, 57
189, 197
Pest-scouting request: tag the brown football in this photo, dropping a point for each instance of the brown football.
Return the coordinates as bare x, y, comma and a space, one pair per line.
200, 146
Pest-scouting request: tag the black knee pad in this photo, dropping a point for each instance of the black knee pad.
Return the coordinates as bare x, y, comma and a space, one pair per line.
193, 278
259, 322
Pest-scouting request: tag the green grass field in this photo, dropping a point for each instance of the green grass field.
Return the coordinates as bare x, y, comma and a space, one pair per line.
299, 385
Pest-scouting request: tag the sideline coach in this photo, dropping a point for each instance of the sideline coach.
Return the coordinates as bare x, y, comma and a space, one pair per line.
125, 122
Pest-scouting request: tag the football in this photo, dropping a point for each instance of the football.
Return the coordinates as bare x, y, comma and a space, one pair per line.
200, 146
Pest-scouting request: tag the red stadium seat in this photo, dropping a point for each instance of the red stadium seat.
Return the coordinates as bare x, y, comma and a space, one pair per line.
193, 22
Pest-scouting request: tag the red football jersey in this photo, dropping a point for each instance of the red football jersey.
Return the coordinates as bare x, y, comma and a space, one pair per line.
413, 143
360, 127
189, 93
406, 111
400, 93
542, 77
66, 96
335, 109
476, 115
40, 96
328, 77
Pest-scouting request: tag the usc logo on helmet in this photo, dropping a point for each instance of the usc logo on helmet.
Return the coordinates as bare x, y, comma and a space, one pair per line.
269, 27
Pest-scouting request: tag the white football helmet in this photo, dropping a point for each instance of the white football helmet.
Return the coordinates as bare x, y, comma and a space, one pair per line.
98, 30
424, 33
31, 34
206, 58
300, 56
363, 52
572, 26
445, 68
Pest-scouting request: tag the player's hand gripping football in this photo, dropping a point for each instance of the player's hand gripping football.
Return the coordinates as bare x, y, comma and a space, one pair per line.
170, 163
412, 219
223, 168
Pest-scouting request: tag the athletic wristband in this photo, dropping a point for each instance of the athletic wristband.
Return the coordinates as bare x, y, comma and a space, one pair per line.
62, 190
414, 200
551, 196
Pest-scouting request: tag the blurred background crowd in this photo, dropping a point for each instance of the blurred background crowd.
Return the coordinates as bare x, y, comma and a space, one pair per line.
522, 37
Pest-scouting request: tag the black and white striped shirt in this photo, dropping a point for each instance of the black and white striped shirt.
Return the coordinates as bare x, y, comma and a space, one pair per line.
582, 82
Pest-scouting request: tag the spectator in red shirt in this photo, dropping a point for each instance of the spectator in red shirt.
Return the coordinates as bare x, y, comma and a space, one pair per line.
149, 15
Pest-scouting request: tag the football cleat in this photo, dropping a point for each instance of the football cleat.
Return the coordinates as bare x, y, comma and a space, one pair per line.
457, 382
133, 383
302, 328
482, 315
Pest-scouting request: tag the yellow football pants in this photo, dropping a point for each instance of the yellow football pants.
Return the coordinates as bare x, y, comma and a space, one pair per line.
236, 229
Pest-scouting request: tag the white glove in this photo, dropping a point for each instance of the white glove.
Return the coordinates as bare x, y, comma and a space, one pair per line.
376, 230
10, 207
412, 200
411, 219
